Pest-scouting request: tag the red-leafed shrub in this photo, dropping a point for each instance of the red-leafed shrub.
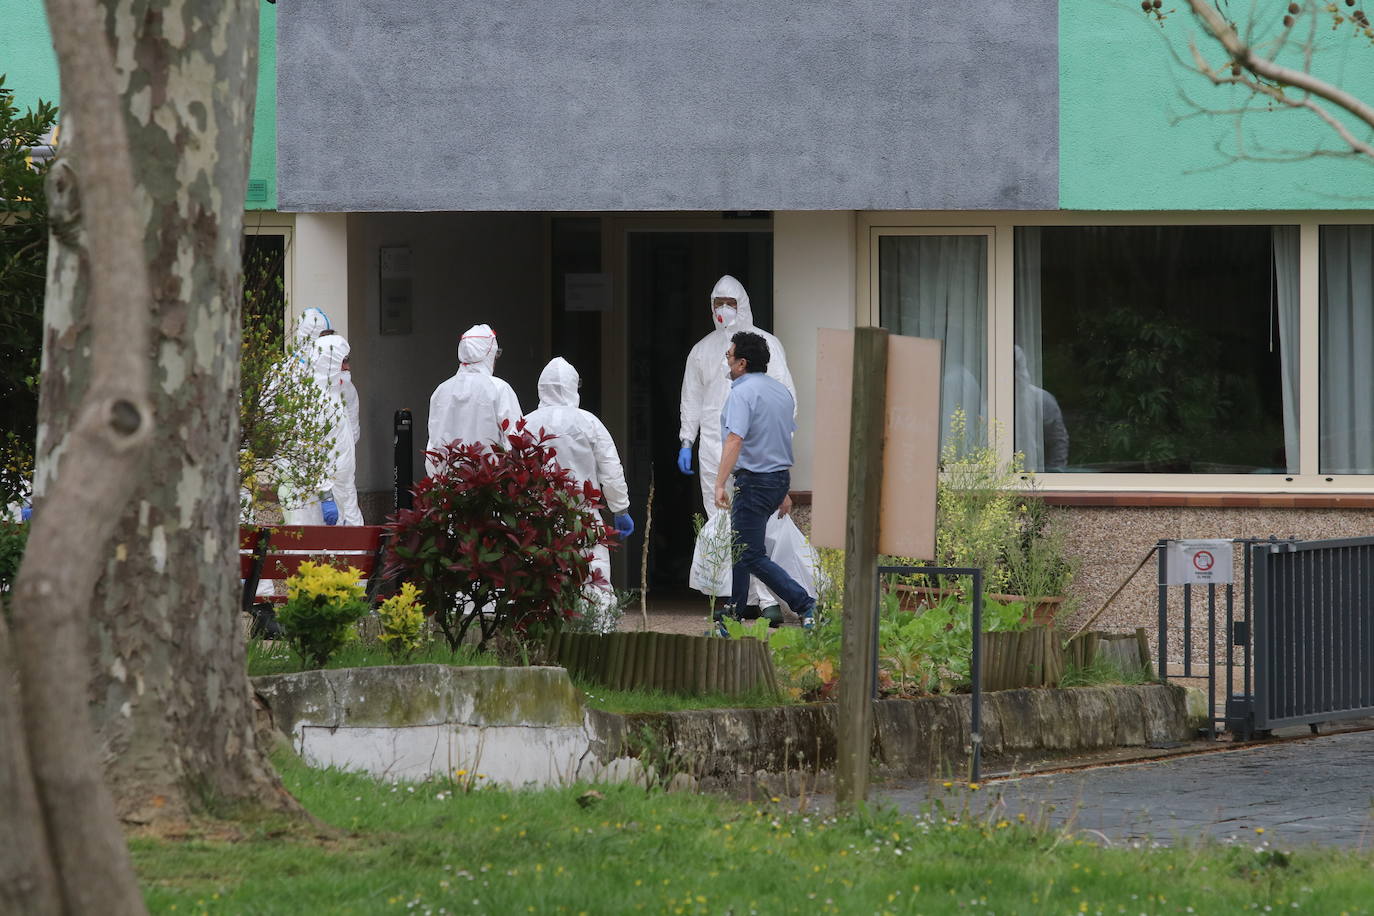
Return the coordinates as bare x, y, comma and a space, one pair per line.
498, 537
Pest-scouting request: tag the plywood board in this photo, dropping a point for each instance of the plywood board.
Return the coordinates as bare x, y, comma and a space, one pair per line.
911, 444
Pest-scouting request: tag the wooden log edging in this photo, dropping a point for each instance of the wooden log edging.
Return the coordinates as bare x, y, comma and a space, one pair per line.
672, 663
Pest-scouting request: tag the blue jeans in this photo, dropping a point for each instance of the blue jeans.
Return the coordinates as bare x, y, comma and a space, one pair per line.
758, 496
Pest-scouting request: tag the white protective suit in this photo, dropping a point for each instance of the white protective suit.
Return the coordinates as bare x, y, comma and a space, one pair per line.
584, 447
330, 373
1041, 435
472, 404
705, 385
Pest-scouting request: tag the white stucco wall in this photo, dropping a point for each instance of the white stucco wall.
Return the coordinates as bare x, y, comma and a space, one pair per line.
813, 287
321, 267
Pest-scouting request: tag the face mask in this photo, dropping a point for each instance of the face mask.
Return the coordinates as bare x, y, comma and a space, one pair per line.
725, 316
345, 376
725, 368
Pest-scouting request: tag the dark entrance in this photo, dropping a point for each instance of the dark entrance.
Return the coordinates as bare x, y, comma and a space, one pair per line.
669, 281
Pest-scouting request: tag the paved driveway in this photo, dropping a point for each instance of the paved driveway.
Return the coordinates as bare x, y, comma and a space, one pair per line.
1318, 790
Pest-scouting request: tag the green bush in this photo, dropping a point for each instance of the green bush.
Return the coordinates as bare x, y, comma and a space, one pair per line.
323, 604
13, 537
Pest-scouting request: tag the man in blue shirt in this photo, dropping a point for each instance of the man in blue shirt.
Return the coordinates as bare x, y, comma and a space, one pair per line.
756, 428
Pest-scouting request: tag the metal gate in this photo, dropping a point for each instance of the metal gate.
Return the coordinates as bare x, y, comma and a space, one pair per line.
1314, 631
1299, 647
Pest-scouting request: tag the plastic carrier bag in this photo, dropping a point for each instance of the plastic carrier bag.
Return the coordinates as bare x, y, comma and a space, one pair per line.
712, 558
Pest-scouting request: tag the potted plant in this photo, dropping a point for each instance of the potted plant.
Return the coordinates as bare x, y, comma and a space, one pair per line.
984, 520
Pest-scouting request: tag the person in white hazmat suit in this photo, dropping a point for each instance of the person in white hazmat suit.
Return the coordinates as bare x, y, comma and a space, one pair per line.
473, 403
585, 448
332, 371
705, 386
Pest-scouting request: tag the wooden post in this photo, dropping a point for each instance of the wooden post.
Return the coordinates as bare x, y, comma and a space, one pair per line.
857, 655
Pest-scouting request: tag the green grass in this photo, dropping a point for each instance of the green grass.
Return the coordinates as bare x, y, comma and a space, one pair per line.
1099, 672
276, 657
635, 701
441, 849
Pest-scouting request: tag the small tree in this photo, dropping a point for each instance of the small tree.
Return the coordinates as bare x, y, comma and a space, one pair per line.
23, 272
284, 417
498, 537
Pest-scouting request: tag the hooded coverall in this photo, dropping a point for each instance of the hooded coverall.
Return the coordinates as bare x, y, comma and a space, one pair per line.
585, 448
705, 386
473, 403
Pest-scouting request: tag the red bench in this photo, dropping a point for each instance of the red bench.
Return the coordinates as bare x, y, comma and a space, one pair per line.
276, 553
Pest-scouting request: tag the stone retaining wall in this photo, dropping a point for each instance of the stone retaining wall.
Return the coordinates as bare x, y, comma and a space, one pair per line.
527, 726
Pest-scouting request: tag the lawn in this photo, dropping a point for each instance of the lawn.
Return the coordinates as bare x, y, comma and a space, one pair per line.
454, 847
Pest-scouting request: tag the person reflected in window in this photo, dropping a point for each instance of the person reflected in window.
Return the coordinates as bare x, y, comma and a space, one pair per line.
1041, 435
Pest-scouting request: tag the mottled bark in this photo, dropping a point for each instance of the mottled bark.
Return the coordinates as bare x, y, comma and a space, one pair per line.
169, 693
53, 778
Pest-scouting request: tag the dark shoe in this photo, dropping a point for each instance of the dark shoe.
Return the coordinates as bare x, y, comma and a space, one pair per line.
774, 615
751, 612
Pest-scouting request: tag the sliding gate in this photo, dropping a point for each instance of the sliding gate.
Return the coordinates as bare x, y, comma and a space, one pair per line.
1298, 648
1314, 631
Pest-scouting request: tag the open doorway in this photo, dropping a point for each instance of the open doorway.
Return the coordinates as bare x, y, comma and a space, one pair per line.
669, 276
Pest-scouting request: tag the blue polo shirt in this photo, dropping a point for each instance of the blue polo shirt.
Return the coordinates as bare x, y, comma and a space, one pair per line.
759, 410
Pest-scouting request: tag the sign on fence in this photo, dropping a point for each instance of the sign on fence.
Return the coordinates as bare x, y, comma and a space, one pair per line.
1199, 562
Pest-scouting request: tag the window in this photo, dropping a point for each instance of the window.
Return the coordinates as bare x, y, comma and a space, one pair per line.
1347, 349
1145, 351
936, 286
1157, 349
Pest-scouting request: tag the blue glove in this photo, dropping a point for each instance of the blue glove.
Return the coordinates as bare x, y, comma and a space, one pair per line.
624, 525
26, 513
684, 459
331, 512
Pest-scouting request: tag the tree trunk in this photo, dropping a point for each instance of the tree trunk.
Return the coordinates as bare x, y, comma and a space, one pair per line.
170, 696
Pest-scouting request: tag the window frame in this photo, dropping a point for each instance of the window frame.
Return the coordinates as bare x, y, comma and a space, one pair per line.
1001, 226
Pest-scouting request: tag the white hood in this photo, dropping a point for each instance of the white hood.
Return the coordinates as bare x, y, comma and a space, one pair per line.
558, 384
313, 321
729, 287
328, 368
477, 349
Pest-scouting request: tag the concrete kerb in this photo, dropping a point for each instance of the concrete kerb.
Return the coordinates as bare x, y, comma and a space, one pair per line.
528, 727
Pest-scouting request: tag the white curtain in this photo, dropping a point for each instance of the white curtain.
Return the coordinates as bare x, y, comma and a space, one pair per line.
1347, 342
935, 286
1028, 362
1286, 285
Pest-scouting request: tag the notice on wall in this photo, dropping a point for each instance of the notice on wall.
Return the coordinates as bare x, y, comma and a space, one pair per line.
394, 290
1198, 562
587, 292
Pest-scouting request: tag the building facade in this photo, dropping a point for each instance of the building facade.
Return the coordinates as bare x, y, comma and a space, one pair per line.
1172, 327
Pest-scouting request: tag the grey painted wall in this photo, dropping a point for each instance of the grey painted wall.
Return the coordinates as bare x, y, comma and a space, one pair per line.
667, 104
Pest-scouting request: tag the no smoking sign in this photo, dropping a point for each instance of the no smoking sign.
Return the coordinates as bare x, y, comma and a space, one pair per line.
1198, 562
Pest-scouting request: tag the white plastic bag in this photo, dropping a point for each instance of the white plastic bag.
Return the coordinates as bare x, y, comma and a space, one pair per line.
712, 558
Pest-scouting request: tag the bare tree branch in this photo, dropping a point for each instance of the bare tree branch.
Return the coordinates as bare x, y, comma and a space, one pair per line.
1244, 58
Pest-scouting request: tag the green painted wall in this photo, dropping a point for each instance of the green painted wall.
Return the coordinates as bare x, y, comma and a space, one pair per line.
27, 59
263, 165
1122, 149
26, 54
